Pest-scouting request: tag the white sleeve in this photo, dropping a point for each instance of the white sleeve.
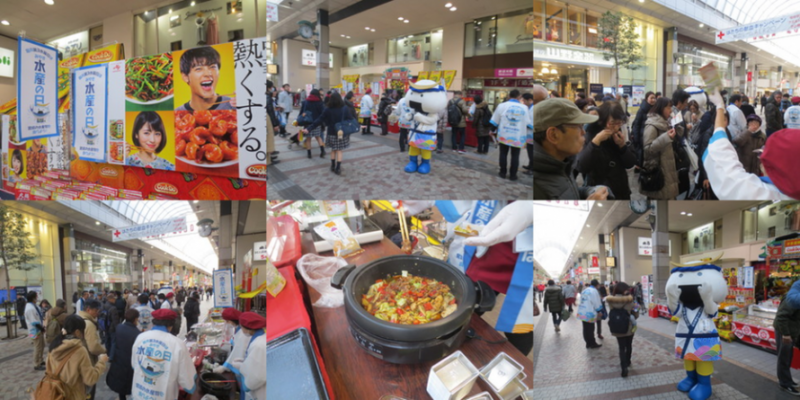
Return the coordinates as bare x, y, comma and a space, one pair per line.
187, 377
496, 116
255, 364
728, 177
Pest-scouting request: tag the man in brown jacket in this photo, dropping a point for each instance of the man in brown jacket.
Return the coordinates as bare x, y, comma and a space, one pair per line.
459, 131
91, 336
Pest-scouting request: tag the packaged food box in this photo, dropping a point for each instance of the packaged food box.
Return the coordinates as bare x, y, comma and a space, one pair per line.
499, 372
452, 378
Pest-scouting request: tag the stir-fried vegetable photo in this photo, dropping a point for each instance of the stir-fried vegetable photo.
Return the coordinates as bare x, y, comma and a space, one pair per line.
409, 300
149, 79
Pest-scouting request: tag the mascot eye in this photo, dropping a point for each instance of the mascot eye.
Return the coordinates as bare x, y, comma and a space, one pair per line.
699, 274
680, 275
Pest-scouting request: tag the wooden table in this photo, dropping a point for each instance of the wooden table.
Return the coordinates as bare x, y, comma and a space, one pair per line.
355, 374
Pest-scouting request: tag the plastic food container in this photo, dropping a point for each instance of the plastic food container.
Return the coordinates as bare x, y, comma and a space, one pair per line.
482, 396
513, 390
452, 378
527, 395
501, 371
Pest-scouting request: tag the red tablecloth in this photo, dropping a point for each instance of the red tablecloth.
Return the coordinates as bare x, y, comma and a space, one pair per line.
287, 312
283, 241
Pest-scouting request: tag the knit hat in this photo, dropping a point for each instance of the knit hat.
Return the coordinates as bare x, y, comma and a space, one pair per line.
231, 314
251, 320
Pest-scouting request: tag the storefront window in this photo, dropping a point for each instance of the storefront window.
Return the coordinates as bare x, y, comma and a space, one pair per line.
576, 22
512, 32
538, 17
43, 235
554, 22
413, 48
777, 219
358, 56
591, 30
183, 26
692, 57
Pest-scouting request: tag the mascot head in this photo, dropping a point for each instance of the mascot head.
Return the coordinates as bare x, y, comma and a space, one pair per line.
698, 95
689, 279
426, 96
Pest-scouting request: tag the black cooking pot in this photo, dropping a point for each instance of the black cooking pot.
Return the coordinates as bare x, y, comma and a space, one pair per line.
355, 281
221, 389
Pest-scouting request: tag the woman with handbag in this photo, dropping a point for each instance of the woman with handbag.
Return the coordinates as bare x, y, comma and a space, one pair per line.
607, 154
341, 123
311, 109
554, 301
659, 177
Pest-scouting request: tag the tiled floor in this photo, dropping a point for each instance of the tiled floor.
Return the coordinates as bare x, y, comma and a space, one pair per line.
565, 369
373, 167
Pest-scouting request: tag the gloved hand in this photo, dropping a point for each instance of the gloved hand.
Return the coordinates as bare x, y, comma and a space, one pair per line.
220, 369
716, 99
506, 225
414, 207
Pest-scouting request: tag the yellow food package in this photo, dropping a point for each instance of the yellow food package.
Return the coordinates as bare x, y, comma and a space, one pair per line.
275, 281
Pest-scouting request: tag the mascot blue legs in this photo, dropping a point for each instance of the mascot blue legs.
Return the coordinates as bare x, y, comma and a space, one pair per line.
413, 155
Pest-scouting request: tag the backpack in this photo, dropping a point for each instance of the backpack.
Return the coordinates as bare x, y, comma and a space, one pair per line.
387, 110
453, 114
51, 387
104, 320
486, 118
52, 331
619, 321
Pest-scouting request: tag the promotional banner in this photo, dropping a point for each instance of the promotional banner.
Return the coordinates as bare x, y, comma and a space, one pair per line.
165, 226
250, 66
260, 251
115, 113
223, 288
37, 90
435, 76
638, 96
772, 28
449, 76
423, 75
89, 90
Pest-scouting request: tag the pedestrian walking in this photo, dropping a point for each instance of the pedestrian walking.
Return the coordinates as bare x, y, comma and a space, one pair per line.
192, 311
335, 113
511, 120
773, 114
554, 301
540, 288
20, 306
589, 311
366, 104
120, 375
622, 322
311, 109
569, 294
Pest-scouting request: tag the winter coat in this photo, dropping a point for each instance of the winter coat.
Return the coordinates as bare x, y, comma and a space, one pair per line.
477, 123
79, 371
120, 375
747, 109
312, 107
181, 296
606, 164
366, 105
464, 112
286, 101
745, 144
60, 315
330, 117
569, 291
658, 153
553, 299
91, 337
352, 108
773, 115
192, 309
637, 129
553, 179
120, 304
385, 102
626, 302
113, 316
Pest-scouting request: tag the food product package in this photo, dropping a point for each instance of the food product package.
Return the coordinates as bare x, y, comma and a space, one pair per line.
317, 271
337, 233
275, 281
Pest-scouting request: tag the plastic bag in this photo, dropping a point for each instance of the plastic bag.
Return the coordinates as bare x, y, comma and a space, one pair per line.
275, 281
337, 233
317, 271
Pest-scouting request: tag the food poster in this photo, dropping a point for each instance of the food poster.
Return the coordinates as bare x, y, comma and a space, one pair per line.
435, 76
423, 75
251, 95
206, 127
148, 85
37, 90
35, 157
449, 76
89, 93
105, 54
115, 118
149, 136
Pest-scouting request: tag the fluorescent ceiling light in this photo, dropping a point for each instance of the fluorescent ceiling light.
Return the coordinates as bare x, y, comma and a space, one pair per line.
367, 28
453, 9
49, 2
400, 18
192, 5
702, 25
448, 5
4, 22
405, 21
556, 230
593, 30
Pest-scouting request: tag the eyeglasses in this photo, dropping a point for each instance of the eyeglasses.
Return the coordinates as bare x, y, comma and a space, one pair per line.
574, 126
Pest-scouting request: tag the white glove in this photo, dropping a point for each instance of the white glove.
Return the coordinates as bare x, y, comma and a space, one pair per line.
219, 370
506, 225
425, 119
414, 207
716, 99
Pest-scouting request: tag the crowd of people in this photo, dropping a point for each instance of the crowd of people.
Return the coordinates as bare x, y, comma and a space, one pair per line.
321, 113
109, 328
594, 149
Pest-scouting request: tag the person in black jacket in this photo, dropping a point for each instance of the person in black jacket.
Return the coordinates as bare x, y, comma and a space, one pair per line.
386, 101
607, 154
313, 108
336, 112
120, 375
191, 310
20, 304
637, 129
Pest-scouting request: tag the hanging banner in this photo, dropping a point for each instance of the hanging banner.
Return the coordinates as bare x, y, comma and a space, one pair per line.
435, 76
37, 90
105, 54
223, 288
250, 62
164, 226
748, 277
89, 91
449, 76
260, 251
116, 113
772, 28
272, 12
423, 75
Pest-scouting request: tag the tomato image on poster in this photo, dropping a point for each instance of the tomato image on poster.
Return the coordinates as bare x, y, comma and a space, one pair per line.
150, 137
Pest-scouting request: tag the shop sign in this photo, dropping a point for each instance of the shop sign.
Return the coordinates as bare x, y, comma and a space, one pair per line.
791, 246
37, 90
580, 270
595, 262
524, 72
747, 277
505, 72
765, 29
89, 112
251, 102
594, 271
448, 77
547, 52
272, 12
272, 69
260, 251
223, 288
162, 227
6, 63
510, 83
637, 96
73, 45
595, 88
645, 246
309, 57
